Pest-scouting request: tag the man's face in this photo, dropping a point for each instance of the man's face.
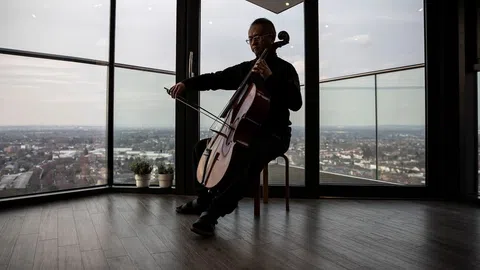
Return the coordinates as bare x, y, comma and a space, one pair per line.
260, 38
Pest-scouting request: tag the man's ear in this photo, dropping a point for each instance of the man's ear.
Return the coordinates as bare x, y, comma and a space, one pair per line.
272, 39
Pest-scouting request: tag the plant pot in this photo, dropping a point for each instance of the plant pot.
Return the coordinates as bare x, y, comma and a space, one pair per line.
165, 180
142, 180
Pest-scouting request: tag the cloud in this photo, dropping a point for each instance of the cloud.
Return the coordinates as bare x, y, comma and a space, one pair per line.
363, 39
22, 86
325, 36
101, 42
300, 67
298, 63
64, 100
35, 90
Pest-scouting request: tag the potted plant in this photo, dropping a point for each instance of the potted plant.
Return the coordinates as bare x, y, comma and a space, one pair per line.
142, 170
165, 175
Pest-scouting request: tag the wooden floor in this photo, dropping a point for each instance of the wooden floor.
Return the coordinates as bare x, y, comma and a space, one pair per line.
134, 231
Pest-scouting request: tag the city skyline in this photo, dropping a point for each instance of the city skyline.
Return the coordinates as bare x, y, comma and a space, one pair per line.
45, 159
169, 128
382, 34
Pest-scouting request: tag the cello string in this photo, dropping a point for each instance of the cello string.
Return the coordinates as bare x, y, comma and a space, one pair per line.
241, 89
240, 92
237, 95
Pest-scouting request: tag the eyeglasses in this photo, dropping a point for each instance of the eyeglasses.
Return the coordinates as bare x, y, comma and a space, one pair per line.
256, 38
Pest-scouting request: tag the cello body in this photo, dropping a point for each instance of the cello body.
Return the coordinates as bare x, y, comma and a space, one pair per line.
246, 118
244, 115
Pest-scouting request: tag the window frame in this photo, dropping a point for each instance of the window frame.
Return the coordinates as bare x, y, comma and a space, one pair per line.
313, 188
442, 111
111, 65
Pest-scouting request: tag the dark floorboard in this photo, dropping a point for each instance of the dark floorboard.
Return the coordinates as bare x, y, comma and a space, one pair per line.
138, 231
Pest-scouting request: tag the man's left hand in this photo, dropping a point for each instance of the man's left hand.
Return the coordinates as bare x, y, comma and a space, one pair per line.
262, 68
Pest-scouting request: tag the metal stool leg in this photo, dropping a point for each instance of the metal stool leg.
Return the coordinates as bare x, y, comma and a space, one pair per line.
265, 184
287, 183
256, 200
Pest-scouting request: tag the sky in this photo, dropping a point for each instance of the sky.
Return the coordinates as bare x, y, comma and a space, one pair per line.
355, 36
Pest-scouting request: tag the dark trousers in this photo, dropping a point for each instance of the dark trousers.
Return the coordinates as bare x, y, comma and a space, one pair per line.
244, 173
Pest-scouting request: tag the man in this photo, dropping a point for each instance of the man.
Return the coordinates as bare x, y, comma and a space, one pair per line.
281, 81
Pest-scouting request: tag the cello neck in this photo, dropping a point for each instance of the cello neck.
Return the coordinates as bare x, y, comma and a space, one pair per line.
285, 39
241, 89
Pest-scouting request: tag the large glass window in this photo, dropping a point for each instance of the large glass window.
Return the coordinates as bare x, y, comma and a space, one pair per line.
376, 134
224, 29
146, 33
144, 122
401, 127
64, 27
144, 125
53, 121
347, 131
52, 125
372, 126
360, 36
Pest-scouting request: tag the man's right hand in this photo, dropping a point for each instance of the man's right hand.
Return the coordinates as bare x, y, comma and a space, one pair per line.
177, 89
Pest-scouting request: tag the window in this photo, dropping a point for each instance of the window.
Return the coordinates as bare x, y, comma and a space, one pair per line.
347, 132
223, 36
73, 28
376, 134
401, 127
52, 125
144, 112
146, 33
362, 36
144, 122
372, 126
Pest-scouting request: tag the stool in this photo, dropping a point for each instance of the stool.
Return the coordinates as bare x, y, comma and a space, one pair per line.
265, 188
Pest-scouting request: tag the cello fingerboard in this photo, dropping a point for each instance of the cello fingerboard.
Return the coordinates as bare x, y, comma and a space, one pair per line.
205, 179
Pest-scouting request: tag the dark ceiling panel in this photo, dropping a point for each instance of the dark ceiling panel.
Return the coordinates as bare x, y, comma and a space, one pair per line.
276, 6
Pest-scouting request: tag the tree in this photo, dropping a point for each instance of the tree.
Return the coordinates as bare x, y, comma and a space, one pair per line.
367, 152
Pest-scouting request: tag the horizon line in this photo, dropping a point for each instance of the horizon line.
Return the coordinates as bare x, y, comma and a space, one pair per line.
206, 127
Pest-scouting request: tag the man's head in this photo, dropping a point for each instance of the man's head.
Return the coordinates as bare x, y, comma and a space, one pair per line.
261, 35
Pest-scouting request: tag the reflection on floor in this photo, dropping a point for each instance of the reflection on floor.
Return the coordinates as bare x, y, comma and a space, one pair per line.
133, 231
297, 178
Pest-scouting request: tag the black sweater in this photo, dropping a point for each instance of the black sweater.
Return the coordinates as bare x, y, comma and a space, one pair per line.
283, 86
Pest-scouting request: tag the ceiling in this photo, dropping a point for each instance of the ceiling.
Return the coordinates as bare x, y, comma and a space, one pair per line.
276, 6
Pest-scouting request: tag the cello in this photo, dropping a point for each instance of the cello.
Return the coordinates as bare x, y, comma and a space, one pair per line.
244, 114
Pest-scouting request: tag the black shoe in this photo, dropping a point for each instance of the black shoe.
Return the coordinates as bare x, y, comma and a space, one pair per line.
205, 225
191, 208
